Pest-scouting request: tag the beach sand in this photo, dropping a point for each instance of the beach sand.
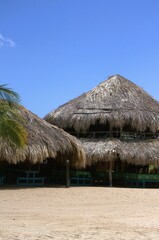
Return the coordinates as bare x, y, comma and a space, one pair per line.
79, 213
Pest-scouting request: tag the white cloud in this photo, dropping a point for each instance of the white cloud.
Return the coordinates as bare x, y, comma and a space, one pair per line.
1, 41
6, 42
10, 43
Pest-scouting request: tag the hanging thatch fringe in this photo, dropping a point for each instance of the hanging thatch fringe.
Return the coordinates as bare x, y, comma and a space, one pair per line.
139, 153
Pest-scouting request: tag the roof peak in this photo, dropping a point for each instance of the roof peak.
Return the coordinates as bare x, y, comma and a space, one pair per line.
116, 76
113, 81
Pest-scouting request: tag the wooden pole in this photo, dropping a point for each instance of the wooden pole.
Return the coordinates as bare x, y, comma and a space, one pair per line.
110, 163
110, 174
67, 174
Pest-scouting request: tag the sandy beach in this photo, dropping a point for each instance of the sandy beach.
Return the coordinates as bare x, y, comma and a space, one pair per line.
79, 213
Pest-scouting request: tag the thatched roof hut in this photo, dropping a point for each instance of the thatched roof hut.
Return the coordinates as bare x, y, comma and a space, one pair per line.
44, 141
116, 101
116, 105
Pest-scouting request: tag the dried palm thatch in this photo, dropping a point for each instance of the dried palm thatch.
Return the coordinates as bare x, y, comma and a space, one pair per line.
116, 101
44, 141
134, 152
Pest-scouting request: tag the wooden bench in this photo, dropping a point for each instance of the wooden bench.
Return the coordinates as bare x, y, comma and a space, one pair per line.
81, 178
142, 180
142, 183
30, 179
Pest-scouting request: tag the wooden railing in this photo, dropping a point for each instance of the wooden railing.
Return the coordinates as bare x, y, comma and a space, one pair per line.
117, 134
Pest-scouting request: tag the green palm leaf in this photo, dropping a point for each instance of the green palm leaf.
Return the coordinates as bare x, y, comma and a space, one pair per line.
11, 122
8, 95
13, 132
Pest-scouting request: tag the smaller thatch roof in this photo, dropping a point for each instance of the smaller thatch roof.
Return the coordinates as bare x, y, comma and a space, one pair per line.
44, 141
135, 152
116, 101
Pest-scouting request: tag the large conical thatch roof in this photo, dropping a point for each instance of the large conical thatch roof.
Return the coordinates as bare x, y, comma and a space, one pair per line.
135, 152
116, 101
44, 141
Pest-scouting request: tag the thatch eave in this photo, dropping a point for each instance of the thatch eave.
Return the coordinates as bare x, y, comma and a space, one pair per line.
134, 152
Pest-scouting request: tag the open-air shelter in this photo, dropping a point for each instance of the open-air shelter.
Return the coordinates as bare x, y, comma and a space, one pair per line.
45, 143
115, 121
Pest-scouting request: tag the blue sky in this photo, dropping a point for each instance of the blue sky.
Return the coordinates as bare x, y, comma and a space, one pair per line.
54, 50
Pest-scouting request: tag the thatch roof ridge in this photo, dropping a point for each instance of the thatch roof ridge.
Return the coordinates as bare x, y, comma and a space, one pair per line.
44, 141
116, 100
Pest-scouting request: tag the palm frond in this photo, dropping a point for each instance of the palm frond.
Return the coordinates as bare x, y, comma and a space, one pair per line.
12, 124
13, 132
11, 112
8, 95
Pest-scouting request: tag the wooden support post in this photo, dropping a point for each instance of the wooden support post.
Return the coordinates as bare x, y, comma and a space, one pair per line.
110, 174
67, 174
38, 167
110, 163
